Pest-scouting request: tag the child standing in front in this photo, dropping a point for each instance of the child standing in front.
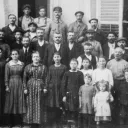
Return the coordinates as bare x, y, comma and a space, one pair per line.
87, 69
102, 103
72, 81
86, 94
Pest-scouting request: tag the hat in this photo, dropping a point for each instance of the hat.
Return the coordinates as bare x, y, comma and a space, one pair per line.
93, 19
90, 31
59, 9
111, 32
82, 13
26, 6
32, 23
19, 30
121, 38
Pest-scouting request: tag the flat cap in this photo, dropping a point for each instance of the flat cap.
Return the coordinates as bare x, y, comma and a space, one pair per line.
121, 38
90, 31
59, 9
93, 19
32, 23
82, 13
26, 6
19, 30
111, 32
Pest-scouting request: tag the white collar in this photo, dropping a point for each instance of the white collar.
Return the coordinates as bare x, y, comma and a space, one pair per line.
13, 64
25, 49
109, 44
73, 71
41, 43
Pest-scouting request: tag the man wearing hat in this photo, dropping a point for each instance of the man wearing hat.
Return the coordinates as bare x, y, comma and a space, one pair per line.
109, 46
78, 27
26, 18
99, 35
97, 49
57, 25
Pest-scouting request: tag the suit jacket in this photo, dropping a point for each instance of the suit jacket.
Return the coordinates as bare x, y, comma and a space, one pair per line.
26, 59
9, 34
75, 52
50, 50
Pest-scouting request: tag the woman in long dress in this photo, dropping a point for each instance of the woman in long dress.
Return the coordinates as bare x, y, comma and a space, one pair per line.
14, 99
34, 79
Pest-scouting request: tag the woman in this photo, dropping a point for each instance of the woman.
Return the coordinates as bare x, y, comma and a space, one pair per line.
34, 80
14, 102
2, 88
102, 73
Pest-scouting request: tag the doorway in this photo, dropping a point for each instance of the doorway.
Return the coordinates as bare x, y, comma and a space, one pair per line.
34, 6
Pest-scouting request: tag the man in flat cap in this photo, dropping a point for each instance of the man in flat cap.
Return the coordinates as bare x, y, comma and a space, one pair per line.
99, 35
78, 27
109, 46
97, 49
57, 26
26, 18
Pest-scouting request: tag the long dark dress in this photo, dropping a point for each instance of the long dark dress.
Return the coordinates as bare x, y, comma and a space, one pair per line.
35, 80
2, 87
14, 102
71, 84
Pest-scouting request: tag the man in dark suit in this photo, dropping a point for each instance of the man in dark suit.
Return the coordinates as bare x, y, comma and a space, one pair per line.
57, 46
108, 48
40, 45
26, 51
10, 29
99, 34
74, 49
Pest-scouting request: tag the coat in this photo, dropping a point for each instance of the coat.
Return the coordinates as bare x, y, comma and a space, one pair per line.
50, 50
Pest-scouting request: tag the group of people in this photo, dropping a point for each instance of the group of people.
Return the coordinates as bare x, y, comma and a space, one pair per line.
49, 71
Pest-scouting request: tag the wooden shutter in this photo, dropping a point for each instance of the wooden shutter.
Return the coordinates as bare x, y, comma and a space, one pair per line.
110, 15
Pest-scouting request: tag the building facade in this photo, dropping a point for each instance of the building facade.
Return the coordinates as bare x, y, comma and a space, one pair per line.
109, 12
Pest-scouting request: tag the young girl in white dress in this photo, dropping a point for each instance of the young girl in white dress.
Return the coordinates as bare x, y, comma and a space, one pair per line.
86, 67
101, 103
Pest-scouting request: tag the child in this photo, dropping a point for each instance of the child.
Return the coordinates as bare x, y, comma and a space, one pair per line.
72, 81
86, 65
26, 18
86, 93
101, 103
55, 75
123, 100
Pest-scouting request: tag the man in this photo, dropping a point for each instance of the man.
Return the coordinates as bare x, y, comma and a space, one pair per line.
10, 29
57, 46
74, 49
5, 47
18, 37
57, 25
78, 27
117, 66
108, 48
40, 45
99, 35
87, 54
26, 51
97, 49
26, 18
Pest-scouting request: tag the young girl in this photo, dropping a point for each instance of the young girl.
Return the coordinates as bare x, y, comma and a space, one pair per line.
102, 73
101, 103
86, 65
55, 76
14, 102
86, 93
72, 81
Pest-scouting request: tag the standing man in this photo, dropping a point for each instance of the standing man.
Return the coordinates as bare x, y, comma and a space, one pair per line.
10, 29
57, 26
78, 27
99, 35
108, 48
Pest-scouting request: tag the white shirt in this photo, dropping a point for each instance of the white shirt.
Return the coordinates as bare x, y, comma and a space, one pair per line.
70, 45
57, 46
41, 43
32, 35
12, 27
25, 49
111, 51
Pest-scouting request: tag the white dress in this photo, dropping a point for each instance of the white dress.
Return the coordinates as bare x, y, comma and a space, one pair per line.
102, 106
